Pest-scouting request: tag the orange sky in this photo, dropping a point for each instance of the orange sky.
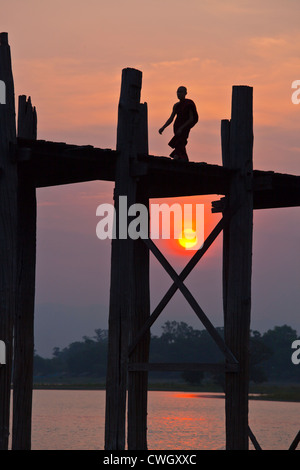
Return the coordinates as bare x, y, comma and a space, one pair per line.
68, 56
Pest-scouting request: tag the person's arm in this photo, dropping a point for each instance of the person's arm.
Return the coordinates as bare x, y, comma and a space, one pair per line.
168, 122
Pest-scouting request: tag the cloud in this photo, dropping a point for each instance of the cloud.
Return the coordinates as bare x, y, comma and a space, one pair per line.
269, 42
275, 48
175, 63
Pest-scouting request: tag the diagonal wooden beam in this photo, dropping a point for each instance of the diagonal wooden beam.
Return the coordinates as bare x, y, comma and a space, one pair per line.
295, 442
253, 439
183, 275
174, 287
191, 300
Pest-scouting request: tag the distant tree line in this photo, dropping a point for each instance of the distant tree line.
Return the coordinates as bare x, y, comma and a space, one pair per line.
270, 355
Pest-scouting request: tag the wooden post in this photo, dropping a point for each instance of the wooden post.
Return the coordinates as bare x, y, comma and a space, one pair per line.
24, 321
238, 263
8, 232
122, 290
225, 143
138, 380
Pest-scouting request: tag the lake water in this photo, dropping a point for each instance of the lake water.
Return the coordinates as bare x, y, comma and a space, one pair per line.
74, 420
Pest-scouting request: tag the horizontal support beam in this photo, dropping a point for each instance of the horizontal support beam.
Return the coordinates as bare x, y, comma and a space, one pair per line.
54, 164
270, 191
57, 163
172, 178
283, 191
178, 366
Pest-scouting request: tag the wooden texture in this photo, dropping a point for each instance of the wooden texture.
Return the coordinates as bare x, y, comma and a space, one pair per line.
138, 380
24, 320
8, 233
237, 148
122, 290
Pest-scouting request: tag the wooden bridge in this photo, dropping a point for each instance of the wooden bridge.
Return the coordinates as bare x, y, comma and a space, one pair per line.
27, 163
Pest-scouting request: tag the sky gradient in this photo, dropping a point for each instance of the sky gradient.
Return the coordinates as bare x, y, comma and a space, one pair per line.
68, 56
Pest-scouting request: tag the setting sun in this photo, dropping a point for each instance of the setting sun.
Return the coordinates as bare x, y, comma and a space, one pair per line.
189, 239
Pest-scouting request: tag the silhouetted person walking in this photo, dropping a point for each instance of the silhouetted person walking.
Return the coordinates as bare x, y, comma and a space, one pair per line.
186, 117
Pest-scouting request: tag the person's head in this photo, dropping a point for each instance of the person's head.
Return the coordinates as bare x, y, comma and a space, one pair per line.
181, 92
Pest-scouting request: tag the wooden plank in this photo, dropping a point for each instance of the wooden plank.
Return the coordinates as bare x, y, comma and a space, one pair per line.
122, 290
24, 320
178, 366
8, 233
138, 380
237, 259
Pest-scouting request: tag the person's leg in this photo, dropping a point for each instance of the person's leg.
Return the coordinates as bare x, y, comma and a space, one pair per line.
178, 143
179, 152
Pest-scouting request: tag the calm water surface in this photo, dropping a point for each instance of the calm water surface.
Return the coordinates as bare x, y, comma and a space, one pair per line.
74, 420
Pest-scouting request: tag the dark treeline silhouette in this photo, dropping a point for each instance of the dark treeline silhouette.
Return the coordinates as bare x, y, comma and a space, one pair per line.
270, 355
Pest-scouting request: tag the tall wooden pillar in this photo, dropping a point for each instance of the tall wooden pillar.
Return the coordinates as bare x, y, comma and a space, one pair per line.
123, 286
8, 232
237, 149
24, 320
138, 380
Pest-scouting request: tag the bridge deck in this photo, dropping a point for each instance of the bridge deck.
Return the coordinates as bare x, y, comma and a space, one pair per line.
53, 164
